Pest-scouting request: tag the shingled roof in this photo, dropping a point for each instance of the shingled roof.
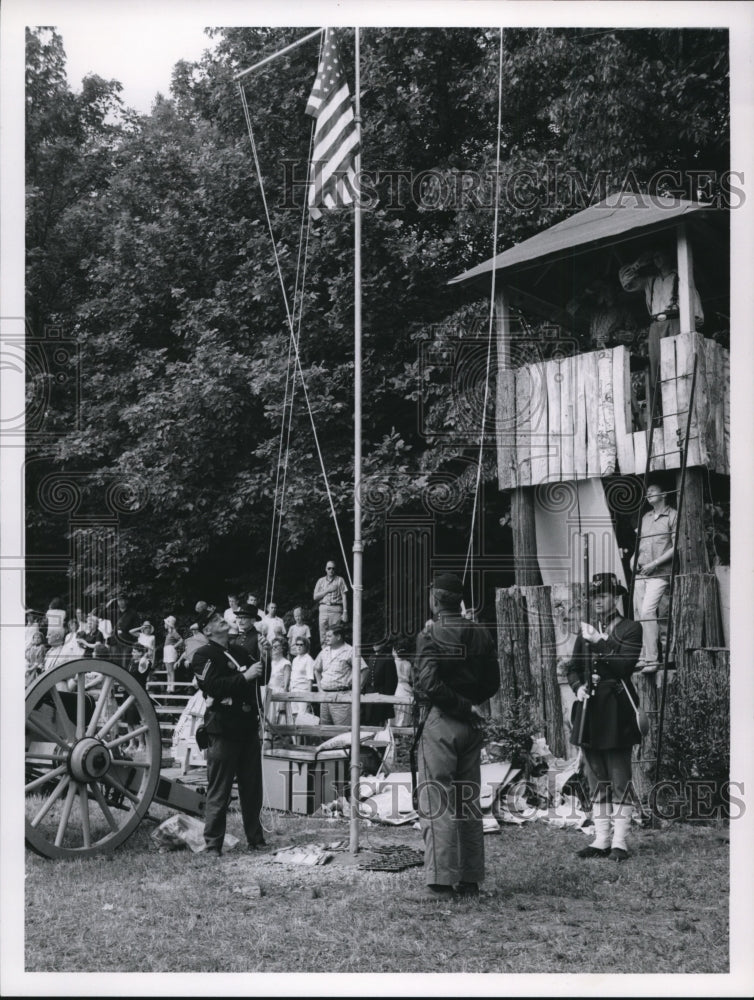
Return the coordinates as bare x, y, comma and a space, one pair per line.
607, 221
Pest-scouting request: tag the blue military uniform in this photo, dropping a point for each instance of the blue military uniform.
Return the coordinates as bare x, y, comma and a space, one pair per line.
232, 723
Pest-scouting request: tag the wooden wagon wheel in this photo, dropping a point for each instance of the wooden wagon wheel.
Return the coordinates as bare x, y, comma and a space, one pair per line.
87, 786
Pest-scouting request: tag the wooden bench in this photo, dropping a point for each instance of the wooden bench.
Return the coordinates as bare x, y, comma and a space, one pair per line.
335, 698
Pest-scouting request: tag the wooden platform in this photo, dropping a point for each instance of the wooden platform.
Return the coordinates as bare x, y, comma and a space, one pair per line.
570, 418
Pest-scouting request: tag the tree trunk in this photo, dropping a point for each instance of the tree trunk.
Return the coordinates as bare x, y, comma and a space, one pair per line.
532, 599
524, 538
521, 644
645, 754
692, 546
696, 615
505, 606
543, 666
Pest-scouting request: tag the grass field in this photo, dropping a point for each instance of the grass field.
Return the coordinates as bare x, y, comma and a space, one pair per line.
543, 910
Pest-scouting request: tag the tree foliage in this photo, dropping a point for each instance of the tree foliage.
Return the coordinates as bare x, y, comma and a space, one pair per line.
147, 239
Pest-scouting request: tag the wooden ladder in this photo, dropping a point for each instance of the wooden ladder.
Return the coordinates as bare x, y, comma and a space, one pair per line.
683, 446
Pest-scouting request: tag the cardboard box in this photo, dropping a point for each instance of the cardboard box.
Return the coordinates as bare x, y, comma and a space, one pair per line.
295, 782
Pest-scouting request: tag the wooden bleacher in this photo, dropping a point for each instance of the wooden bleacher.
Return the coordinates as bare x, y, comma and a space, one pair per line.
170, 706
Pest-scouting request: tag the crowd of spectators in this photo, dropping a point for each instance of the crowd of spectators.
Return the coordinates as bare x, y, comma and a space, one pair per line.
116, 631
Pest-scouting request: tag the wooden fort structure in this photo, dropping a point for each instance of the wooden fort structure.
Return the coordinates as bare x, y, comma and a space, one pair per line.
571, 436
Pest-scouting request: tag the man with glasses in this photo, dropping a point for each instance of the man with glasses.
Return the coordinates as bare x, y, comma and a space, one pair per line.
331, 595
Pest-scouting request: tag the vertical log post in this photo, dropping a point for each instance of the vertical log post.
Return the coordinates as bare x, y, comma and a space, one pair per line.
543, 670
503, 325
505, 636
526, 567
697, 623
521, 643
692, 546
645, 753
505, 409
686, 295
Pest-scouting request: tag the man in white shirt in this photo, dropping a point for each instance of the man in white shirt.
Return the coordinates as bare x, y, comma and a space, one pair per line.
333, 670
230, 616
272, 626
652, 564
654, 273
330, 593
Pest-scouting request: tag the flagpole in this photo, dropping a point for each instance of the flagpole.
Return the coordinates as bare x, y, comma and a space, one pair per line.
357, 544
276, 55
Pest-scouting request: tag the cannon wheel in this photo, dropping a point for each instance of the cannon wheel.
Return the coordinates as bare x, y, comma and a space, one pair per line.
87, 786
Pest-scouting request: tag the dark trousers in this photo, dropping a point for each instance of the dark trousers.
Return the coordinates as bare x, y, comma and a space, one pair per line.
658, 330
609, 775
448, 807
229, 760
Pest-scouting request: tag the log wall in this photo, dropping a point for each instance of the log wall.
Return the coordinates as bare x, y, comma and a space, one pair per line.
528, 660
570, 418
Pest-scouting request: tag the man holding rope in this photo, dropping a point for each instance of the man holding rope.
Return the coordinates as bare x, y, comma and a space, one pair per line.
230, 682
456, 671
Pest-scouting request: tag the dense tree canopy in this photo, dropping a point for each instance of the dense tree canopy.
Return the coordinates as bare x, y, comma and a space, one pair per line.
147, 243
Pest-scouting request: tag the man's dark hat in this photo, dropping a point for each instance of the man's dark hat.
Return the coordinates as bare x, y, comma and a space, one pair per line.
606, 583
448, 582
245, 611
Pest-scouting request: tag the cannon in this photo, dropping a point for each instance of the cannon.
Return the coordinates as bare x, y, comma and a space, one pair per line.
93, 760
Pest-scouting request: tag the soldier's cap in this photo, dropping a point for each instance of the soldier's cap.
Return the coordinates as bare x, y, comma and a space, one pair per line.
245, 611
448, 582
606, 583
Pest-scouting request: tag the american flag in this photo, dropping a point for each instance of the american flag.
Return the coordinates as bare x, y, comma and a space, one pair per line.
336, 136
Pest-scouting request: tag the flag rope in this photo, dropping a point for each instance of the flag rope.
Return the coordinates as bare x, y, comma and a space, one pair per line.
469, 553
293, 390
291, 328
278, 503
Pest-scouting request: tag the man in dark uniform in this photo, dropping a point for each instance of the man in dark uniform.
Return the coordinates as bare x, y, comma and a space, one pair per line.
381, 678
606, 656
248, 637
123, 640
456, 671
229, 679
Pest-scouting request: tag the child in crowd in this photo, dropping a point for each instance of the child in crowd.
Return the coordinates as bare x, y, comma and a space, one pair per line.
139, 667
401, 653
279, 712
299, 630
35, 657
103, 624
55, 616
31, 628
302, 674
145, 637
170, 651
272, 625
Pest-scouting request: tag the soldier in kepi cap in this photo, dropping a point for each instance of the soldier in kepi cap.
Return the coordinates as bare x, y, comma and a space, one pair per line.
456, 671
604, 657
230, 682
